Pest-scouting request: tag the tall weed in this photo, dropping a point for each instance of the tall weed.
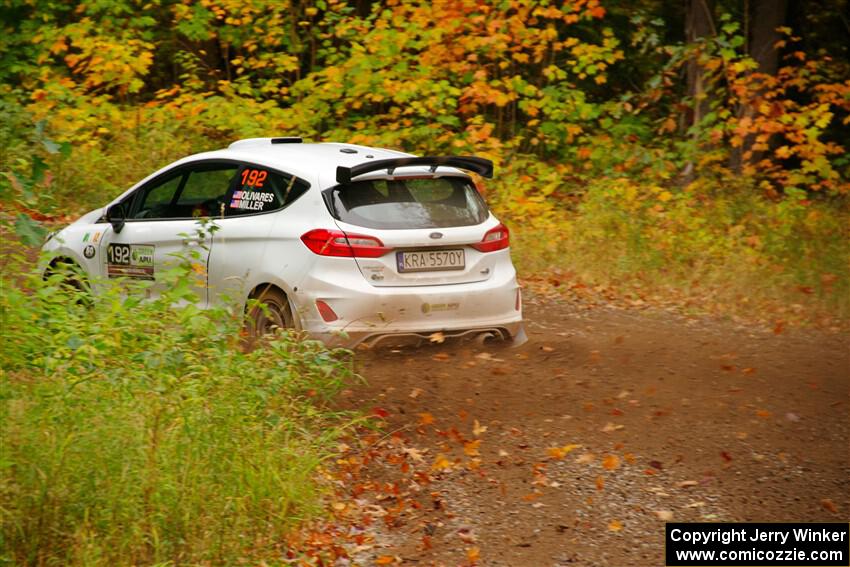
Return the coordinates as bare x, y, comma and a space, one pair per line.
137, 432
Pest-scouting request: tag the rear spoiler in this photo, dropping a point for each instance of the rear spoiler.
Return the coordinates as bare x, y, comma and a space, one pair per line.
481, 166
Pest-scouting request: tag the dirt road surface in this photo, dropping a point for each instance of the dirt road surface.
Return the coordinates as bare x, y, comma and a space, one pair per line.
575, 448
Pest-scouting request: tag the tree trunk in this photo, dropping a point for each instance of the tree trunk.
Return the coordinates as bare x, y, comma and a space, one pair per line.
699, 23
768, 15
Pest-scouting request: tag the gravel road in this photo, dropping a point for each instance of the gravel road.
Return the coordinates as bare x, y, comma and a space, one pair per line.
575, 448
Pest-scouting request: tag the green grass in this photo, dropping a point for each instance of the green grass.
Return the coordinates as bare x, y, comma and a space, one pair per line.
135, 432
721, 245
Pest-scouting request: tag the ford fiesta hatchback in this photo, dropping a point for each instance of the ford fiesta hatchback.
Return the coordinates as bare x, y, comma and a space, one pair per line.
349, 243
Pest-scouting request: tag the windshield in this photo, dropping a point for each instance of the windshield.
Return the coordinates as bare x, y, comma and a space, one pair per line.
408, 203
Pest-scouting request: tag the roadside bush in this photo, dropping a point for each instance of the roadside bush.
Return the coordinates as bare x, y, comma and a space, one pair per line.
136, 432
713, 235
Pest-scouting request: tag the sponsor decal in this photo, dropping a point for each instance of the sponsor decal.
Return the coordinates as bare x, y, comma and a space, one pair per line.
96, 238
130, 261
89, 251
431, 307
86, 237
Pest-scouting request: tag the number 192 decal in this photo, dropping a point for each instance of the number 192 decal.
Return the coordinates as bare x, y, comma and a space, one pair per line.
254, 177
130, 261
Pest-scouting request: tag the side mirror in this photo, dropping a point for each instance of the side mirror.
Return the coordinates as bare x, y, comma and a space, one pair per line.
116, 216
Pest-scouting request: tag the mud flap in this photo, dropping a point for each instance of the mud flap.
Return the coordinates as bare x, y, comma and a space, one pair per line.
519, 339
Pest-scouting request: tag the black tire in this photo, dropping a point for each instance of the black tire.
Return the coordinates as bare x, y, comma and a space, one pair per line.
73, 279
270, 315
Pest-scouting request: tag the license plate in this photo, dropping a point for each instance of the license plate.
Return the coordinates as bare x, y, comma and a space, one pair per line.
430, 260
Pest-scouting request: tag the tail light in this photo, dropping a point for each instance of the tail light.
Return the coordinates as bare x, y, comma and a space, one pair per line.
518, 302
496, 238
337, 243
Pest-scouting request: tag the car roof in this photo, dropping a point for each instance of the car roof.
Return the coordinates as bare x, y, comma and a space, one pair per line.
307, 161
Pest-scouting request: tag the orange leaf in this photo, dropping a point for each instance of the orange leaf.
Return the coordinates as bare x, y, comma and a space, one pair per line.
615, 525
441, 463
426, 418
600, 483
471, 448
829, 505
561, 452
385, 560
473, 554
611, 462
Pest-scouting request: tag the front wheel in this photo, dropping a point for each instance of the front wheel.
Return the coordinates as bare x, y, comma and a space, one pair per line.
271, 314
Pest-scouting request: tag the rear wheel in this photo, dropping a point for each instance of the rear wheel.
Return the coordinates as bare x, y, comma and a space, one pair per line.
271, 314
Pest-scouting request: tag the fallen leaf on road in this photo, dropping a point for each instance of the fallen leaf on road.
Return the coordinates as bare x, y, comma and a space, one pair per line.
478, 429
414, 454
790, 416
426, 418
437, 337
471, 448
385, 560
687, 483
380, 412
656, 465
829, 505
764, 414
726, 456
441, 357
547, 348
611, 462
466, 536
561, 452
585, 458
748, 370
415, 393
664, 515
609, 427
615, 525
473, 554
441, 463
488, 356
600, 483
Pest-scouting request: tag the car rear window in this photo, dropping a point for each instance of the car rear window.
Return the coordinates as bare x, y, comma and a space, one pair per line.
408, 203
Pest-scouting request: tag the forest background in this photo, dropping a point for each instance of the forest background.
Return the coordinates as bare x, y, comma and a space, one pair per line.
647, 152
696, 147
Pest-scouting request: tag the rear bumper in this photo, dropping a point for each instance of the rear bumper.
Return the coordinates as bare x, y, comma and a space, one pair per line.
373, 314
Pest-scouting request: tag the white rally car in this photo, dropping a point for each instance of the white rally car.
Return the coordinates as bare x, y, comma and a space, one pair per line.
346, 242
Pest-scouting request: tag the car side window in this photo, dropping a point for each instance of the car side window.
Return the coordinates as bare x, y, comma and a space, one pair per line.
198, 190
260, 190
205, 192
157, 198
